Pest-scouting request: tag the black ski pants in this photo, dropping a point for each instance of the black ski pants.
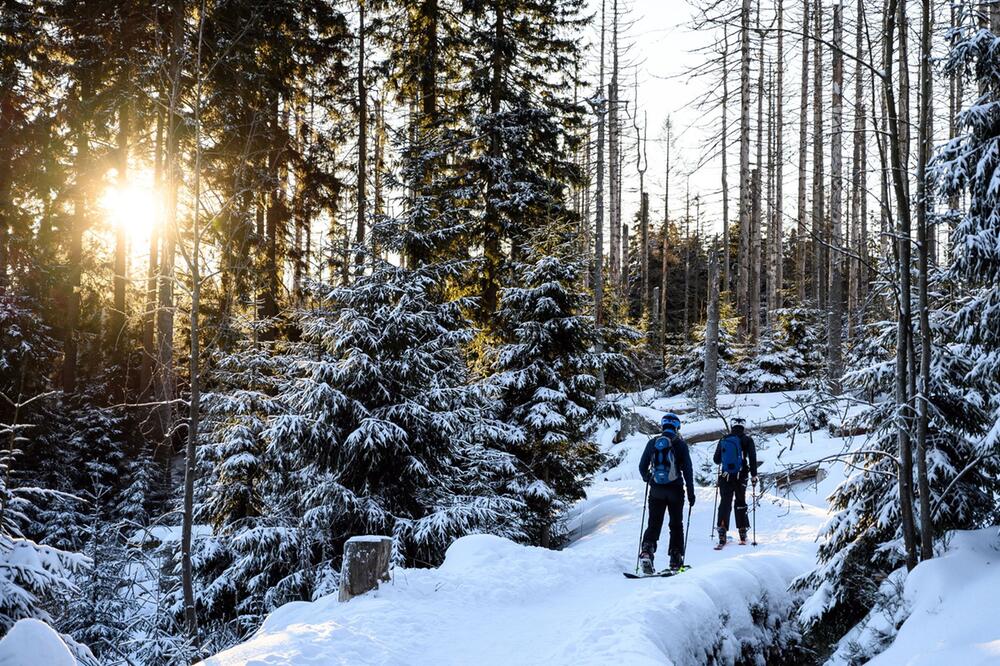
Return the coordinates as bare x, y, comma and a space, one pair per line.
666, 499
733, 487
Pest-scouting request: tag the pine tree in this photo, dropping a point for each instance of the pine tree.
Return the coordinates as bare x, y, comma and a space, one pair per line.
546, 370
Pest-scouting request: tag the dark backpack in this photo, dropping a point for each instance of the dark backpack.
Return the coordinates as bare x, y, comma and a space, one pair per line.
732, 454
664, 461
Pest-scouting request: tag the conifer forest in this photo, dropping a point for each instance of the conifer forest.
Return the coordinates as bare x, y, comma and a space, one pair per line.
279, 273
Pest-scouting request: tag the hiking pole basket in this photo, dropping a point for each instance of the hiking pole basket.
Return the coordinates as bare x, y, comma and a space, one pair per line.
754, 542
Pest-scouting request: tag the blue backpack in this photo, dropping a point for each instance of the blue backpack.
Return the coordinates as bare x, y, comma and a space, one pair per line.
664, 461
732, 454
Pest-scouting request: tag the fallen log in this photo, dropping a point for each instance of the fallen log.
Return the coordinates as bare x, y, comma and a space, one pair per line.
770, 428
812, 472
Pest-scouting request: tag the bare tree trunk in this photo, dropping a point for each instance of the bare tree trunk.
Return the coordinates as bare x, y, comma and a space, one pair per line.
166, 382
819, 193
801, 242
359, 238
858, 193
666, 241
711, 385
687, 261
743, 261
835, 361
640, 167
614, 157
923, 267
146, 379
78, 225
117, 333
904, 316
726, 279
194, 412
601, 110
779, 174
769, 241
755, 214
756, 217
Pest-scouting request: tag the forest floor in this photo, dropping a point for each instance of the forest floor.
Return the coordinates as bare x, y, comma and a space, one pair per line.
496, 602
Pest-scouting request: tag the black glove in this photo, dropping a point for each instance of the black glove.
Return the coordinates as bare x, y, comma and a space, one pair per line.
645, 477
691, 499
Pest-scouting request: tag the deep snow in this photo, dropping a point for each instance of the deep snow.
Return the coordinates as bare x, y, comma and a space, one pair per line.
495, 602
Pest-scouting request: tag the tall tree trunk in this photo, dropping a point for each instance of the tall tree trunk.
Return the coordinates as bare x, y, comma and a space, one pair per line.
665, 248
147, 368
858, 192
614, 158
118, 316
923, 266
687, 261
194, 407
711, 369
359, 238
904, 317
492, 231
779, 175
743, 261
756, 217
801, 237
78, 225
601, 110
819, 193
724, 148
166, 382
835, 361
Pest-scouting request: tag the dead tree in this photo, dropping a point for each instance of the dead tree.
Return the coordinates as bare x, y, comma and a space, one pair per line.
835, 362
801, 235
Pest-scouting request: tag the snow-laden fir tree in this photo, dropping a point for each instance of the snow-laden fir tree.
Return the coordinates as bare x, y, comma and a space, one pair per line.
968, 169
685, 371
249, 563
547, 371
788, 356
862, 543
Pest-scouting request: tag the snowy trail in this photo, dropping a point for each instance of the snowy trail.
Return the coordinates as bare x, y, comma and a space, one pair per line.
495, 602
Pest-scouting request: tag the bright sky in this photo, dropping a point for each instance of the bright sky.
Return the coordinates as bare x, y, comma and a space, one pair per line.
664, 50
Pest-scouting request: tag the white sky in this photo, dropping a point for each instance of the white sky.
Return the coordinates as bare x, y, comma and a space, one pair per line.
664, 49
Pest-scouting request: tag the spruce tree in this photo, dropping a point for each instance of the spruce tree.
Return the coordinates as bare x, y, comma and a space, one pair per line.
546, 369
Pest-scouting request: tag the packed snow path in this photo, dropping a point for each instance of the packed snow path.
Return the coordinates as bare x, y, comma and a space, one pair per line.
495, 602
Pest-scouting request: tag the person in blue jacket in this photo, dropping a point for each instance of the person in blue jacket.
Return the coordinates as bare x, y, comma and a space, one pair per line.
665, 466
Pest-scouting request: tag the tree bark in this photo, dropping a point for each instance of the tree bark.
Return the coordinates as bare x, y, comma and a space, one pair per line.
923, 265
819, 255
776, 300
743, 261
362, 171
118, 316
712, 333
726, 278
801, 238
904, 316
614, 158
835, 362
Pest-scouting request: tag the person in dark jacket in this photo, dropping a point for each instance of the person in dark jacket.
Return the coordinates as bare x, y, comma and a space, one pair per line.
665, 466
734, 485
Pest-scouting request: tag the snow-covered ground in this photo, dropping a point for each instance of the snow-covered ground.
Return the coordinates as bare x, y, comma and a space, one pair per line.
495, 602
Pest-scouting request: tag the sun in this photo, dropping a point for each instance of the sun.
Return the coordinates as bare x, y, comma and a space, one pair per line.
131, 206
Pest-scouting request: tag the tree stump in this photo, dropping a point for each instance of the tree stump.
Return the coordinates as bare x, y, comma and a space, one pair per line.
366, 562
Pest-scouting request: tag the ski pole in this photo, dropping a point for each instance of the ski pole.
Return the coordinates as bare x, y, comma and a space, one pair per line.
641, 524
715, 505
754, 513
687, 531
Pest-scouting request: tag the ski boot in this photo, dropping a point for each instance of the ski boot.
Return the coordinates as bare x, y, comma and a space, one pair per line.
646, 561
743, 536
722, 538
676, 563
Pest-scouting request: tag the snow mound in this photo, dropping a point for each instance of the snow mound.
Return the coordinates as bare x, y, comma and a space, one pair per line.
953, 606
31, 642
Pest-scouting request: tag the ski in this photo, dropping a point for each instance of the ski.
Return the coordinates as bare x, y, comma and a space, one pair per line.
666, 573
